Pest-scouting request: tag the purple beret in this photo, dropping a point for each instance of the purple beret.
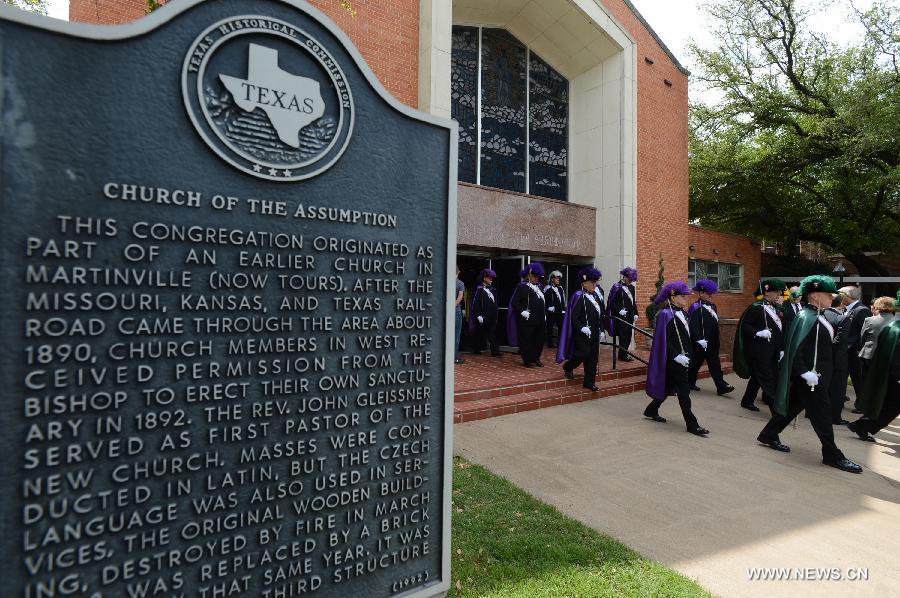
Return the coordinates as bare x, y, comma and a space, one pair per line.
707, 286
630, 273
589, 273
535, 268
670, 289
487, 272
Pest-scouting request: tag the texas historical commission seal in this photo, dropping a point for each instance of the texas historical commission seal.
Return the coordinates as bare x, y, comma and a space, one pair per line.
267, 98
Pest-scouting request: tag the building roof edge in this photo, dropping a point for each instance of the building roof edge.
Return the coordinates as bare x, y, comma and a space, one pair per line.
659, 40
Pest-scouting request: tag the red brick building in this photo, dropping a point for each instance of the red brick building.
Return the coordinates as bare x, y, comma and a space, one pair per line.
591, 168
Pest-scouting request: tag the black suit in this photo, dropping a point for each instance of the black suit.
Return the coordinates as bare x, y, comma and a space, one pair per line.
838, 389
762, 355
705, 326
816, 401
678, 340
619, 302
485, 307
857, 316
555, 297
790, 311
531, 331
585, 349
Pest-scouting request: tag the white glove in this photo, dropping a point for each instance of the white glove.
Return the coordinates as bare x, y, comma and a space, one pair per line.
622, 312
563, 312
682, 359
586, 331
526, 314
703, 343
636, 317
602, 336
480, 319
780, 355
551, 309
811, 378
764, 333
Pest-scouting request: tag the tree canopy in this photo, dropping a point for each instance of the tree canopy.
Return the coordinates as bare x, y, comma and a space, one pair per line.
805, 142
39, 6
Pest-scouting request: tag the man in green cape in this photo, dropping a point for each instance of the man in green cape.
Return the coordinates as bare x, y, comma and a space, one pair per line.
805, 375
759, 343
880, 396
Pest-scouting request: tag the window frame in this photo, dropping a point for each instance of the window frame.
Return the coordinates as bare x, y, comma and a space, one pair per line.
479, 109
723, 276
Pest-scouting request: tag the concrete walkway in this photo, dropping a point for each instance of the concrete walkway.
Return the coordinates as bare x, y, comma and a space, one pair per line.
711, 508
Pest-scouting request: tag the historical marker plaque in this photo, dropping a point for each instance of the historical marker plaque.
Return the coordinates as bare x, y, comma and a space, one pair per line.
225, 348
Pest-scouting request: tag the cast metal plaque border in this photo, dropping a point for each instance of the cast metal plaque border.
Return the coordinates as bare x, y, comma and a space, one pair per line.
170, 11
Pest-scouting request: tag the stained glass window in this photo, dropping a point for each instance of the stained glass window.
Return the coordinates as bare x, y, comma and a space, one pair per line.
522, 144
548, 130
503, 97
464, 98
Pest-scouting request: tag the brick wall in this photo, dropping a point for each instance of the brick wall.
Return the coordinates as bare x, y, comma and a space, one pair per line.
662, 158
385, 31
714, 246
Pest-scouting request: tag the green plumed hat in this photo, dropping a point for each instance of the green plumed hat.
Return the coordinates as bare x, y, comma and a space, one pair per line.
817, 283
796, 293
771, 284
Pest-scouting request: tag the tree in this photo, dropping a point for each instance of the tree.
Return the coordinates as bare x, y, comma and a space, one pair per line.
805, 143
652, 307
38, 6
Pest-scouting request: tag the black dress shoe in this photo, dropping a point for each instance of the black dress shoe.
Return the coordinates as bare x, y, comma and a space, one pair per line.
840, 422
844, 465
496, 354
569, 374
593, 388
861, 434
775, 445
695, 387
725, 390
460, 360
700, 431
750, 406
540, 364
528, 365
656, 418
857, 412
626, 358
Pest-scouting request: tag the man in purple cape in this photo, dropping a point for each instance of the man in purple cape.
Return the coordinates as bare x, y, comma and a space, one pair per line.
582, 330
704, 325
483, 314
621, 304
670, 356
525, 320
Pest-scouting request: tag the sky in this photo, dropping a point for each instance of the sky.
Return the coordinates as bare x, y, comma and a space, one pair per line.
678, 22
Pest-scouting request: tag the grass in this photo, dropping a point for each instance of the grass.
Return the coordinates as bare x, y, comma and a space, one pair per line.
507, 543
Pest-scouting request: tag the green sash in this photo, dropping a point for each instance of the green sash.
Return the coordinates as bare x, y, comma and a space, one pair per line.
871, 396
796, 334
740, 363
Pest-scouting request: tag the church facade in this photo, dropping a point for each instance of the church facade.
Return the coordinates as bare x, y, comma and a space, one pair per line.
573, 144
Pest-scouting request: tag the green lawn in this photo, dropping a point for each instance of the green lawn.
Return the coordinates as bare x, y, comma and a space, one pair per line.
507, 543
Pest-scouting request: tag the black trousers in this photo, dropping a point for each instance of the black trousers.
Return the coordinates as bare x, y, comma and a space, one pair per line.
817, 403
677, 381
587, 351
856, 373
710, 356
554, 328
486, 333
890, 409
623, 338
764, 375
531, 341
837, 391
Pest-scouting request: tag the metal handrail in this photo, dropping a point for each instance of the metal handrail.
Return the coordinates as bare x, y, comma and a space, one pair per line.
617, 348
